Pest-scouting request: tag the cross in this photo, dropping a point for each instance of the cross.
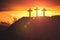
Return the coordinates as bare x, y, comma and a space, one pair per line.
29, 10
44, 11
36, 11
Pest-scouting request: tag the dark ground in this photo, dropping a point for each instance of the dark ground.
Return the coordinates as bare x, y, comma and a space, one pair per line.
34, 28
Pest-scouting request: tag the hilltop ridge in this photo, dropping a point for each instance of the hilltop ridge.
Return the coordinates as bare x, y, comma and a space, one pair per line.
34, 28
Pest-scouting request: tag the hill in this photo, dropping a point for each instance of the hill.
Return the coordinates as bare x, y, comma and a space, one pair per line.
33, 28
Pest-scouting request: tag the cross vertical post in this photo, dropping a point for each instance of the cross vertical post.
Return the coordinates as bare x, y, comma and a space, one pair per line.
36, 11
29, 10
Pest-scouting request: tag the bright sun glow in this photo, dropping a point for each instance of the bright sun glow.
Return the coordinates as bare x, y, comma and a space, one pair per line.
25, 13
19, 14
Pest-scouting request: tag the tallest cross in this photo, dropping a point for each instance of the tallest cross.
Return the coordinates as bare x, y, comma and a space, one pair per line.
36, 11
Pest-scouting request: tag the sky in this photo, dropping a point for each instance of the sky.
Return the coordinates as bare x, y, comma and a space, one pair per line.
18, 8
7, 5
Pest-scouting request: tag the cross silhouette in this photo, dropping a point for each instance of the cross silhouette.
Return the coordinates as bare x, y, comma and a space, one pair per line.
29, 10
44, 11
36, 11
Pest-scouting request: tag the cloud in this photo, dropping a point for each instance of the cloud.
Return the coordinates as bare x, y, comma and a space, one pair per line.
55, 2
6, 4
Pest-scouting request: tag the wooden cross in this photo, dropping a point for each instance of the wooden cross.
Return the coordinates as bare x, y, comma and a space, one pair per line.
29, 10
44, 11
36, 12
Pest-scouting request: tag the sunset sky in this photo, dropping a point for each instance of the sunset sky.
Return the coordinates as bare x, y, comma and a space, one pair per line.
18, 8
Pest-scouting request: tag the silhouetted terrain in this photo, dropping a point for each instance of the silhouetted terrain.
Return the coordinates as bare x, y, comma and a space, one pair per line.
33, 28
4, 26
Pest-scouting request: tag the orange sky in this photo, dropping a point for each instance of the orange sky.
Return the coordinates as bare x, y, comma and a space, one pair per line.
19, 9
